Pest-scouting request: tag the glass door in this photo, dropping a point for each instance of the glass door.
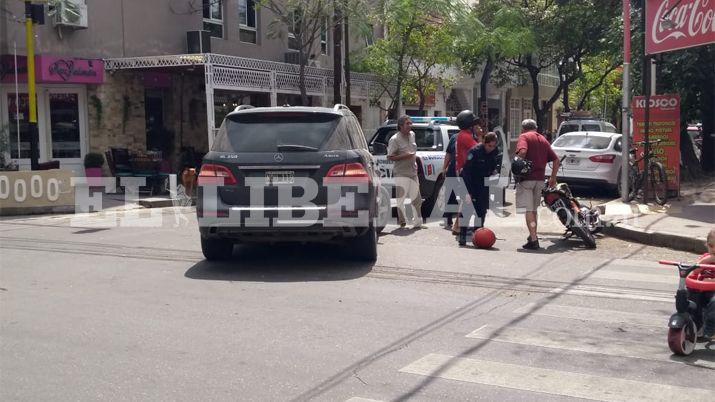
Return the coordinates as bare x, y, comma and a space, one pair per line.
65, 132
14, 120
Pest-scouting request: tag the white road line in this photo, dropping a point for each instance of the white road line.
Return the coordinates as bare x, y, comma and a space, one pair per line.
550, 381
626, 346
359, 399
627, 277
603, 291
593, 314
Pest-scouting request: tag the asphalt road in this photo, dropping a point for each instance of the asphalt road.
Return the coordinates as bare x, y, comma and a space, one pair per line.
92, 311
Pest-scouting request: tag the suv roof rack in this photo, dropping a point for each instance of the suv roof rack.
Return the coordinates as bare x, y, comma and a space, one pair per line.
243, 107
339, 106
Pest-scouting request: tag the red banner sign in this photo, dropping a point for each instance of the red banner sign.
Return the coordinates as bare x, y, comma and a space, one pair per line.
664, 125
673, 24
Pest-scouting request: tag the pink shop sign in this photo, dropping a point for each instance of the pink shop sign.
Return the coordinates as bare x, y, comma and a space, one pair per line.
53, 70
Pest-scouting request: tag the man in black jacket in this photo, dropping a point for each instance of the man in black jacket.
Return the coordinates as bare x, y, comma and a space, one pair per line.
482, 162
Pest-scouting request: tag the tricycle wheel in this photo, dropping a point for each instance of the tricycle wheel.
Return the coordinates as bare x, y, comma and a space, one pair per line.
682, 340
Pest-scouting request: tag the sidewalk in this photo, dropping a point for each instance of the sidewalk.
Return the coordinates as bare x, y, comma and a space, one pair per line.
682, 224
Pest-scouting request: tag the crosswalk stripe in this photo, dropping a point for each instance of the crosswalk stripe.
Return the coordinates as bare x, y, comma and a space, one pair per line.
583, 343
593, 314
550, 381
602, 291
627, 277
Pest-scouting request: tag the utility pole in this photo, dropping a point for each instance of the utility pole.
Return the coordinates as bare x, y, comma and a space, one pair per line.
646, 91
346, 50
337, 51
31, 91
626, 102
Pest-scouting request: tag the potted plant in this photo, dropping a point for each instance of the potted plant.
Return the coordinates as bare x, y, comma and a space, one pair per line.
93, 163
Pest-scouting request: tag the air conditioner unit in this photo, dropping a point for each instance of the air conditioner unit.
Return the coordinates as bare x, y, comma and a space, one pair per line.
292, 57
69, 13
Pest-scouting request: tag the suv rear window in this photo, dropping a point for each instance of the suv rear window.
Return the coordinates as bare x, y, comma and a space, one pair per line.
582, 141
424, 137
591, 127
267, 132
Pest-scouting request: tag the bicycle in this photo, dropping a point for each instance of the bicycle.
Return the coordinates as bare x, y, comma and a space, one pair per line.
656, 174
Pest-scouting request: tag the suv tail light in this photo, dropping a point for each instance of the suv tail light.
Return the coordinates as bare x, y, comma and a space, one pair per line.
347, 173
603, 158
211, 174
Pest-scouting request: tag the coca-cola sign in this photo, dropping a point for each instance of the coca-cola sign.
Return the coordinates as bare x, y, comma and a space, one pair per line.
673, 24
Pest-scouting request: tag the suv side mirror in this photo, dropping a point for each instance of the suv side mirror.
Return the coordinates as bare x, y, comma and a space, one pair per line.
378, 148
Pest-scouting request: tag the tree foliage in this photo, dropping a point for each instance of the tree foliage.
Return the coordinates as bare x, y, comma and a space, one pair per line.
302, 21
416, 46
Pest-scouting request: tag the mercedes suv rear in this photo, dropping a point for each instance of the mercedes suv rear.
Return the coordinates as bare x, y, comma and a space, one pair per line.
296, 174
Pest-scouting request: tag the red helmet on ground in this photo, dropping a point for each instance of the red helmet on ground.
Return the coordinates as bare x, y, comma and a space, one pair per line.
483, 238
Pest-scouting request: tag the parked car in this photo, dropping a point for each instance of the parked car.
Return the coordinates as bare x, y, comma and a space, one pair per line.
592, 158
583, 124
432, 135
277, 149
696, 134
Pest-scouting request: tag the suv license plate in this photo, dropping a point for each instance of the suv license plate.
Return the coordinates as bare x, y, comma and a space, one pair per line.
280, 177
572, 161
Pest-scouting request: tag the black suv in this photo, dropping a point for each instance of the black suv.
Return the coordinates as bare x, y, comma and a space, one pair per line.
296, 174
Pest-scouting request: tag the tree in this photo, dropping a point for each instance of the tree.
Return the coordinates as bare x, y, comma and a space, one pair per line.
409, 29
302, 21
488, 35
566, 32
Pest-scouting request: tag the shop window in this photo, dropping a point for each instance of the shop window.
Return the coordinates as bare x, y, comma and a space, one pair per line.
64, 125
213, 17
247, 21
18, 115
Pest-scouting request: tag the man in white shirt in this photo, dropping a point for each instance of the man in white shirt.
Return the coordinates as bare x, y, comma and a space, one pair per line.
402, 151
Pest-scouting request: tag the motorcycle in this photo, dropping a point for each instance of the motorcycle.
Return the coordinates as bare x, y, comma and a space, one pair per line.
580, 220
686, 324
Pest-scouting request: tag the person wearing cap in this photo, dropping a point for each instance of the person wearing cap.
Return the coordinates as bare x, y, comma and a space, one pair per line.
467, 138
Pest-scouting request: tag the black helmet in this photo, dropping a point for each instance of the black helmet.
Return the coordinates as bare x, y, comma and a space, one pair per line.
466, 119
520, 167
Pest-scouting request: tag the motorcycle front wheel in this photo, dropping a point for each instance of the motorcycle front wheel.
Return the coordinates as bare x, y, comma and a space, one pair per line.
580, 228
682, 340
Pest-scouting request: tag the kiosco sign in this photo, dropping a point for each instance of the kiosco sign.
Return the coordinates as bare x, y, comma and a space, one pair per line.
664, 125
678, 24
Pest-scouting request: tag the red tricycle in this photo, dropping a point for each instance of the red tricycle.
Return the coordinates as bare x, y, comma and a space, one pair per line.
697, 282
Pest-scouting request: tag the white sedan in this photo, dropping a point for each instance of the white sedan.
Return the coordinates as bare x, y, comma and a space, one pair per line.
592, 158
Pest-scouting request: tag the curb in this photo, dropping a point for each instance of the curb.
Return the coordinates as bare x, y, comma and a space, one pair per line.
652, 238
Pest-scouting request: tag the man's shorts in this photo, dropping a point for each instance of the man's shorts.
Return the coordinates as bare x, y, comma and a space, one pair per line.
528, 195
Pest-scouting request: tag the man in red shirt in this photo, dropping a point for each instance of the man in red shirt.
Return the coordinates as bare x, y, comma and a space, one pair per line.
534, 147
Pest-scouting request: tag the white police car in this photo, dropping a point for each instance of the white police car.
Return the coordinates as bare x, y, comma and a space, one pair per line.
432, 136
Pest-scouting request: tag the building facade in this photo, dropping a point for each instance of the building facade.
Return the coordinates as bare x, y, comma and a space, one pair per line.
135, 74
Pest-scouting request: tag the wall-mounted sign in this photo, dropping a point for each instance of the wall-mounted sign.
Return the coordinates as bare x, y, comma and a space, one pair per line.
664, 125
679, 24
53, 69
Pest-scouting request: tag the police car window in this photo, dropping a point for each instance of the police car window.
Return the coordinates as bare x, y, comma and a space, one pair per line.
424, 137
591, 127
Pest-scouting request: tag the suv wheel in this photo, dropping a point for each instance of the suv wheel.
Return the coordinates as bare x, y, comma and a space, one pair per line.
216, 249
364, 247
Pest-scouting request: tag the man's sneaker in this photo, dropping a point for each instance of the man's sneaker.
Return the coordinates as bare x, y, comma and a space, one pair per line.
531, 244
706, 338
403, 224
419, 225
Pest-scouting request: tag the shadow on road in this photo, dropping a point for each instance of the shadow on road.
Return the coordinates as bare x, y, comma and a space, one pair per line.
282, 263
